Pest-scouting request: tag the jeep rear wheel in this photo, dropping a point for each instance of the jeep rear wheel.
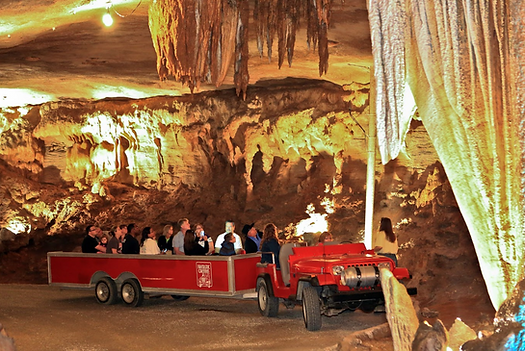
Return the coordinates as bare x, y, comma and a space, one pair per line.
311, 309
268, 304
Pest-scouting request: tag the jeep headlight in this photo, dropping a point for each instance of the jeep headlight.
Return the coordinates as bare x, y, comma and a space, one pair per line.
337, 270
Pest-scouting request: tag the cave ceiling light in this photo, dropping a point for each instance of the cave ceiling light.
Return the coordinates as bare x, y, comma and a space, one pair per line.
197, 41
462, 61
107, 19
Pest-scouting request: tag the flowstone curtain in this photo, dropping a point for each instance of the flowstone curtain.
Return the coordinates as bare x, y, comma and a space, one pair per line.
462, 61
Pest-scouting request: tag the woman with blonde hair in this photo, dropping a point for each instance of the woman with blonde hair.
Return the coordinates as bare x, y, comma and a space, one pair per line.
165, 240
270, 245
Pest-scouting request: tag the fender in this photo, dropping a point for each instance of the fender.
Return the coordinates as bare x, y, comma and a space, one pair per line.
269, 282
305, 282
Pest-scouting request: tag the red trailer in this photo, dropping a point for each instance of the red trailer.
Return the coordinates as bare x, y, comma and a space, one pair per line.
130, 276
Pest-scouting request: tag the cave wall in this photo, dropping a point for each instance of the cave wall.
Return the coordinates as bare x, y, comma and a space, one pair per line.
211, 157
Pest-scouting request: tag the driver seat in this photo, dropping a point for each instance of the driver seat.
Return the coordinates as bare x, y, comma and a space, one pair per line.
286, 251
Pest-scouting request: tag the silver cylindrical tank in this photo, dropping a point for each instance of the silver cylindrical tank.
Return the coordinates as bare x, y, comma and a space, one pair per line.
360, 277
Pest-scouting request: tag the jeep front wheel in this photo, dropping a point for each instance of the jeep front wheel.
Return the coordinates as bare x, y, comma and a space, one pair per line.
268, 304
311, 309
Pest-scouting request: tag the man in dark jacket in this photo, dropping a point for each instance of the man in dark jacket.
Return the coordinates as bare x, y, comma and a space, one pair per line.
90, 243
130, 245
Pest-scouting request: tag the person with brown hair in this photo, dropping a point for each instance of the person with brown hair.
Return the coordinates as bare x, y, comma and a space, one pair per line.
114, 245
270, 244
325, 237
192, 247
385, 242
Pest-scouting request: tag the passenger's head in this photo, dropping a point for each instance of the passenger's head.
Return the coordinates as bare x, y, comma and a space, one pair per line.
147, 232
104, 239
189, 239
123, 229
229, 238
131, 226
229, 226
325, 237
199, 228
270, 232
167, 231
386, 226
249, 230
183, 224
94, 231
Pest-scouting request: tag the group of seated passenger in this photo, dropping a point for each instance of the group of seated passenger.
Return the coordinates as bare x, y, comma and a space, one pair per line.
122, 239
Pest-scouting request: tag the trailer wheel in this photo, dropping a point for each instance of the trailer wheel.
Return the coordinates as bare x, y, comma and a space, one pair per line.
131, 293
268, 305
106, 291
311, 309
180, 297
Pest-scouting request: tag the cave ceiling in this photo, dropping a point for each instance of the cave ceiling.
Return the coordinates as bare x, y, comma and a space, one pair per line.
55, 49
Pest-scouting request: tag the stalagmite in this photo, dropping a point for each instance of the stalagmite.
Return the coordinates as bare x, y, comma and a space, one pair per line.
460, 62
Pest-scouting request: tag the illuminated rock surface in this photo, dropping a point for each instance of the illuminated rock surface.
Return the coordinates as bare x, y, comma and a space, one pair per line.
460, 62
400, 312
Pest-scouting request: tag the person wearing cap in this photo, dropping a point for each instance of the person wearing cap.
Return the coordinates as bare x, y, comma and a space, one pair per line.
253, 238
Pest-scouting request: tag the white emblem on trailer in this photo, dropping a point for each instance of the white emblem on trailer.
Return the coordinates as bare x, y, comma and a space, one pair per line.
204, 275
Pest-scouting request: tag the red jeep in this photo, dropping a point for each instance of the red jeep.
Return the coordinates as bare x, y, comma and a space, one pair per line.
325, 279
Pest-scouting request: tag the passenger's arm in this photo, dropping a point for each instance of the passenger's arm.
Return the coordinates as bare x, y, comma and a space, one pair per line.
178, 251
238, 245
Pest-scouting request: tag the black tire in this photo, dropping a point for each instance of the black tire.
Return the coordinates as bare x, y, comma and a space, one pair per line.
131, 293
106, 291
311, 309
368, 307
180, 297
267, 303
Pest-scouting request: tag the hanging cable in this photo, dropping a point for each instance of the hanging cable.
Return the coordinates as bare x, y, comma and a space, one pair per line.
121, 15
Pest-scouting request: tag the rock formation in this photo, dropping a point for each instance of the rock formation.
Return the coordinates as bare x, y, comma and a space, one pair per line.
459, 63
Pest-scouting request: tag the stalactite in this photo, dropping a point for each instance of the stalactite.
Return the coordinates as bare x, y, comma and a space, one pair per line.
281, 31
293, 8
241, 76
323, 16
196, 40
312, 28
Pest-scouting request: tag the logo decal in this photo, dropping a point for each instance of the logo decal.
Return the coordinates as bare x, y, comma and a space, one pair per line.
204, 275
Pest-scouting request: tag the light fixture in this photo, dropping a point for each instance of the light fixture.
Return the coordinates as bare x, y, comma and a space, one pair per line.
107, 19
